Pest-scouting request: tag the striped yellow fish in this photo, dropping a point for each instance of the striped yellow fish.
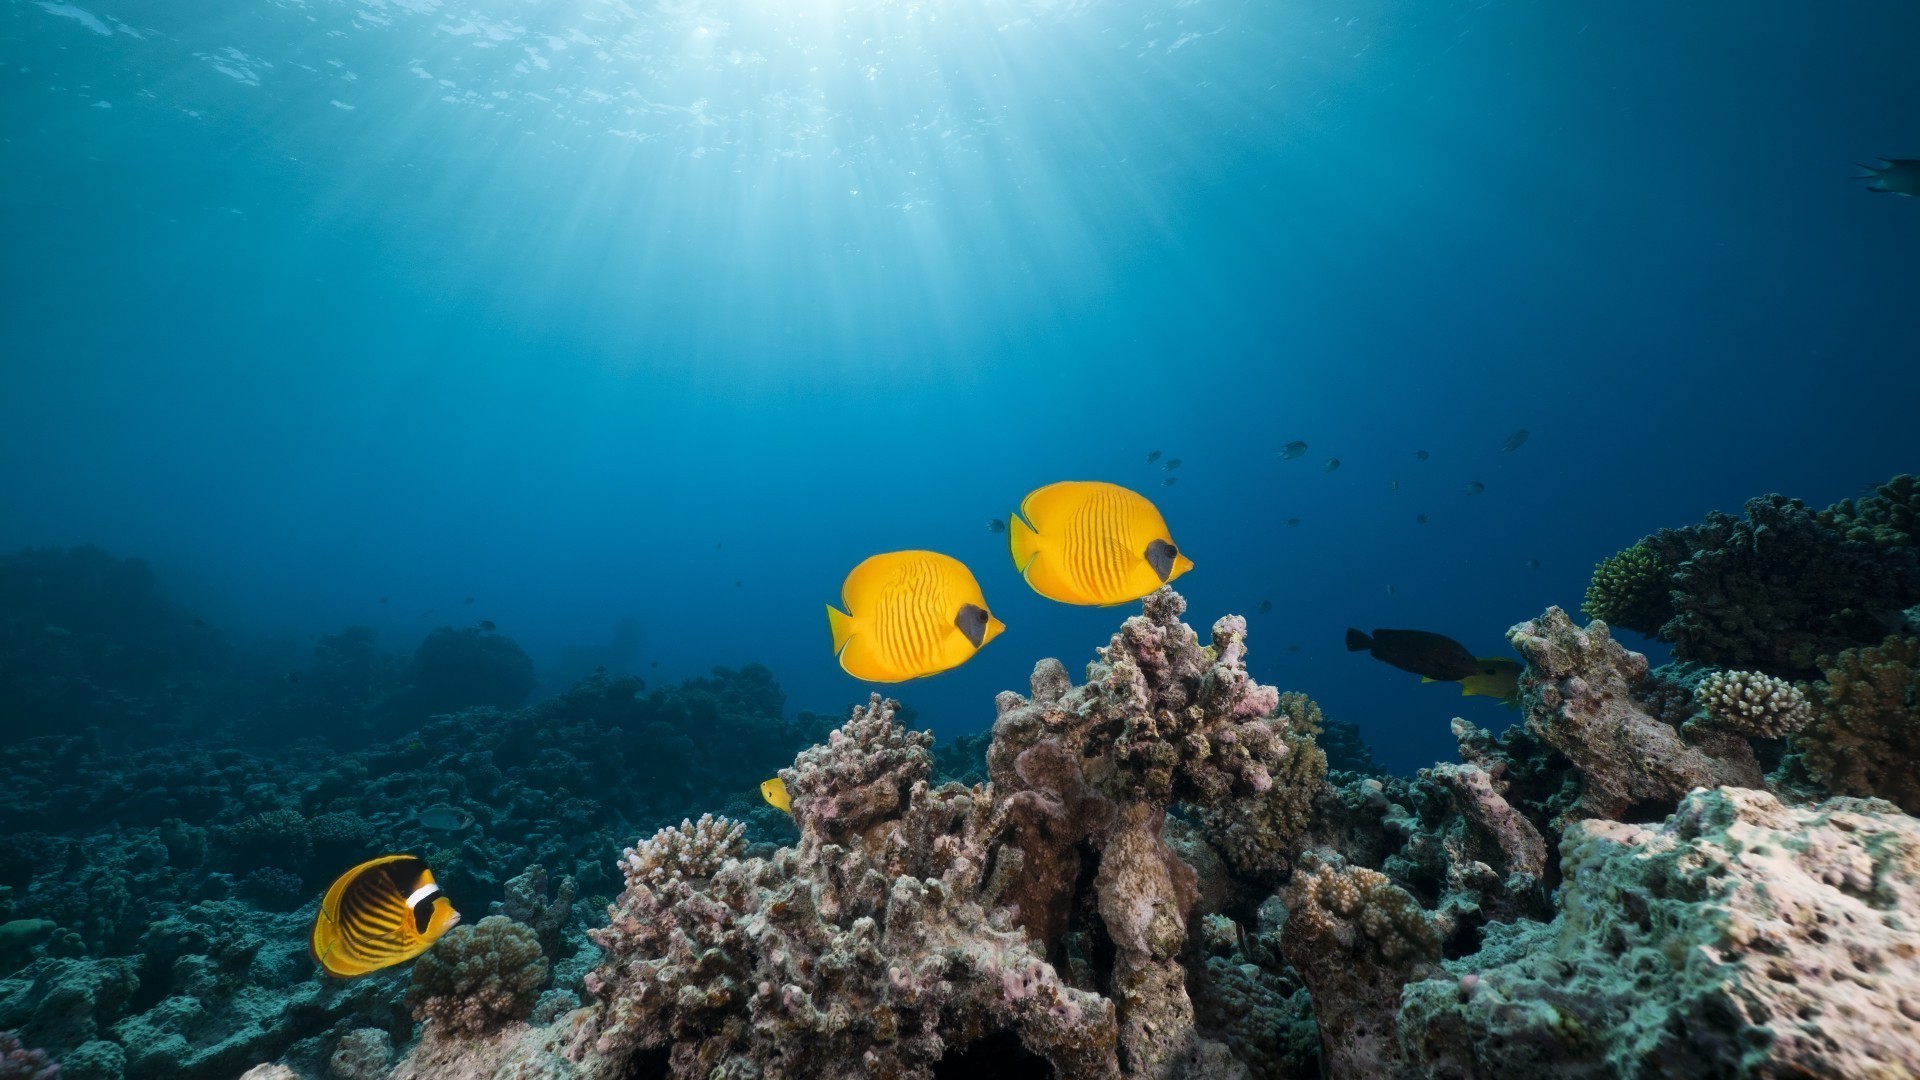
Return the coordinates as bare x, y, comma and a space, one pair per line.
909, 614
385, 911
1088, 542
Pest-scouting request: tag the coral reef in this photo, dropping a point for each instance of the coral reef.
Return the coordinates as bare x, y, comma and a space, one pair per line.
462, 669
1577, 693
1773, 591
478, 977
1865, 735
1743, 937
869, 949
1259, 832
1752, 704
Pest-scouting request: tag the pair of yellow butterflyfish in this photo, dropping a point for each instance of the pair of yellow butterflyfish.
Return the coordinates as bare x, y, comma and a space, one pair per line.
910, 614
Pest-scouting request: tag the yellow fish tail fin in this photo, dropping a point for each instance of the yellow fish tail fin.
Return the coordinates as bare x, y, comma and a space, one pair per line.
1024, 542
841, 624
1465, 690
1424, 679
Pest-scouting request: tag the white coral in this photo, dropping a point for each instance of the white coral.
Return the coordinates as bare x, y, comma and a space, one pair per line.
1753, 704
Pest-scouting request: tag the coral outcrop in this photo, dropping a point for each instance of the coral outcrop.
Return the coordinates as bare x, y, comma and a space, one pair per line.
1629, 589
1742, 937
477, 978
1865, 735
1577, 692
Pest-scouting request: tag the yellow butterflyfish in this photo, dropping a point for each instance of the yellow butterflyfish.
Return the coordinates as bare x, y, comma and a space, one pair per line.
1089, 542
909, 614
775, 792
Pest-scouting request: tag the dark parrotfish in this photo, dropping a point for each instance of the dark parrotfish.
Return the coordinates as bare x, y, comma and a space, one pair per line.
1434, 656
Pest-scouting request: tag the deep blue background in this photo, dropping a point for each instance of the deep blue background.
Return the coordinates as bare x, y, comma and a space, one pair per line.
589, 310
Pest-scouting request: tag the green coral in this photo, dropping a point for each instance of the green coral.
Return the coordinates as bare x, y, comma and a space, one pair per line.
1630, 589
1865, 735
1888, 518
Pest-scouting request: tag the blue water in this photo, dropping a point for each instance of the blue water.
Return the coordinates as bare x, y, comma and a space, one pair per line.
676, 311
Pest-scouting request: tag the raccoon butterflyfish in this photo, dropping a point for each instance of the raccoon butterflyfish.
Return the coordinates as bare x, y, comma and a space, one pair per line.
1899, 176
1090, 542
909, 614
775, 792
1497, 678
1434, 656
385, 911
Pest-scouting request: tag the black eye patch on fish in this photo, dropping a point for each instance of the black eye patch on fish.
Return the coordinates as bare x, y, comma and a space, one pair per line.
1160, 556
972, 622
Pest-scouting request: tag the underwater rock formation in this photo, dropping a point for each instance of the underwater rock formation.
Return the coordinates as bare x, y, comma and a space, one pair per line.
1742, 937
1577, 692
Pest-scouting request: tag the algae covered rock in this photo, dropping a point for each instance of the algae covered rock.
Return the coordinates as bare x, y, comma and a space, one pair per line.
1741, 937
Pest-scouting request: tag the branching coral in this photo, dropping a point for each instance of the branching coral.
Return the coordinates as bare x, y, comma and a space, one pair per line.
1865, 734
1776, 591
1752, 704
527, 903
1629, 589
478, 978
1889, 518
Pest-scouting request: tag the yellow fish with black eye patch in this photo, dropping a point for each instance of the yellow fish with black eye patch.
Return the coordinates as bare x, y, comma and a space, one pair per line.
1090, 542
775, 792
909, 614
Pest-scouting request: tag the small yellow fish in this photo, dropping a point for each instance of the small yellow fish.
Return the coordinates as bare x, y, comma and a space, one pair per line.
909, 614
775, 792
1089, 542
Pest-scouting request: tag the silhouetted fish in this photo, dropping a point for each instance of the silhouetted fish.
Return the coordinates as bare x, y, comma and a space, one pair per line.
1170, 481
1292, 450
1899, 176
996, 526
1475, 487
1172, 464
1422, 652
1265, 606
1293, 523
1332, 464
1420, 455
1514, 441
487, 624
1421, 518
1153, 456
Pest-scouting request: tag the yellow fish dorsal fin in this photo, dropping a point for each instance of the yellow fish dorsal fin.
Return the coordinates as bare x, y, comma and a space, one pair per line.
841, 624
1024, 543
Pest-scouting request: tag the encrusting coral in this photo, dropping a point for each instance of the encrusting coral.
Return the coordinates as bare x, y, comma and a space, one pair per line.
1259, 833
1750, 703
1355, 938
1740, 938
477, 978
1865, 735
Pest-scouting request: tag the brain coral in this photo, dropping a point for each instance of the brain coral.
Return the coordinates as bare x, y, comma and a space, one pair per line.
1865, 734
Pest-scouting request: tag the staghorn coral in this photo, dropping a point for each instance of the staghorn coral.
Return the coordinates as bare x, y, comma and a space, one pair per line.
1889, 518
1355, 938
869, 949
1865, 735
477, 978
1752, 704
1739, 938
1629, 589
1577, 693
1776, 591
